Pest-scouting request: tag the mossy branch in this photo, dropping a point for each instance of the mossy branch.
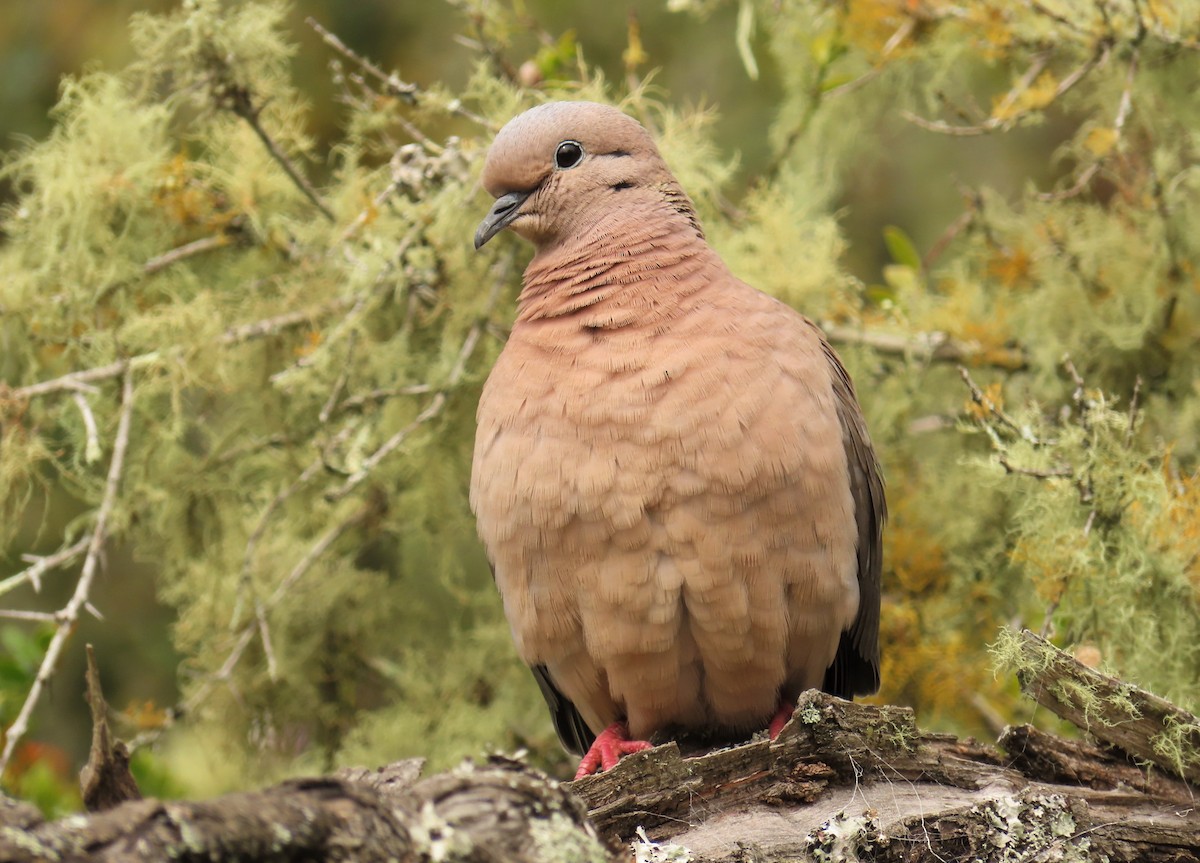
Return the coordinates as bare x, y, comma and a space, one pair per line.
1120, 714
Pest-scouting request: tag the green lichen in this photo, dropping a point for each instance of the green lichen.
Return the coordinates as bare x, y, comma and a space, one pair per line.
25, 841
810, 715
558, 839
1179, 744
894, 732
1032, 826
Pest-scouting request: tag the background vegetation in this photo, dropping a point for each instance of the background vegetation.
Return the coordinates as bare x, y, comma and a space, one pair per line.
242, 333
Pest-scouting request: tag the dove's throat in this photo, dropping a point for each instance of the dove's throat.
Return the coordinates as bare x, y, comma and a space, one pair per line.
632, 271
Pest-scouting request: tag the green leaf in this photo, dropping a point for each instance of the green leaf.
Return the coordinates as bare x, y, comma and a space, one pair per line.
901, 247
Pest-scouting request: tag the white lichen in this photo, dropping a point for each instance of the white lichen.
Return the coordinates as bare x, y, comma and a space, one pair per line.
646, 851
843, 838
436, 837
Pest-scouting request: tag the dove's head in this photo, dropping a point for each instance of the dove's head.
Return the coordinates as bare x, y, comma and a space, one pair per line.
559, 169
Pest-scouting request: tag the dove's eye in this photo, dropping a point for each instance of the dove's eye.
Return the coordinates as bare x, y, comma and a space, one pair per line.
568, 155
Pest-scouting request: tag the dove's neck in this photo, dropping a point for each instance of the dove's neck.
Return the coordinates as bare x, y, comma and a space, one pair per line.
633, 268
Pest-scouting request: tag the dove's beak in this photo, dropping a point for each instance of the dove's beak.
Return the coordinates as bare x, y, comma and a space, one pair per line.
506, 208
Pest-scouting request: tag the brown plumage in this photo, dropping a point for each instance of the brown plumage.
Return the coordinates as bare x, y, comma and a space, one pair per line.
672, 476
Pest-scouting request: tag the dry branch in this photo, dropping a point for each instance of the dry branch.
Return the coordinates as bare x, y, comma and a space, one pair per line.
69, 615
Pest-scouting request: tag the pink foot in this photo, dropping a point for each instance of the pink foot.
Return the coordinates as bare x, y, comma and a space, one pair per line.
607, 749
782, 715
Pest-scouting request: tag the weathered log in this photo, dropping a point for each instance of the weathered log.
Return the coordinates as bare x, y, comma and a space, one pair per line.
855, 779
842, 782
500, 811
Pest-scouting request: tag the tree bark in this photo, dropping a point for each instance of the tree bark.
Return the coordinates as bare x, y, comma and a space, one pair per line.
842, 782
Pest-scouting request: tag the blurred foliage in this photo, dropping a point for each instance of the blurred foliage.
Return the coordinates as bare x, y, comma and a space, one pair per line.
981, 183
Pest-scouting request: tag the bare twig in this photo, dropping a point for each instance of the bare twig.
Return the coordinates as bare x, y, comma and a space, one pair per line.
1036, 473
1076, 188
241, 104
935, 346
1061, 20
287, 320
171, 257
999, 116
392, 83
264, 631
339, 385
389, 446
1133, 410
960, 224
80, 379
988, 405
381, 395
1040, 61
41, 565
69, 615
856, 84
187, 250
20, 614
1076, 379
260, 529
91, 449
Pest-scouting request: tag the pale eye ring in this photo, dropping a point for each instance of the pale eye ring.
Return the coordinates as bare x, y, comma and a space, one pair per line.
568, 155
